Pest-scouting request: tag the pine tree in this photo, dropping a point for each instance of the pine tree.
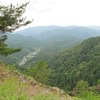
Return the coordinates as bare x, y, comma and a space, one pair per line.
10, 20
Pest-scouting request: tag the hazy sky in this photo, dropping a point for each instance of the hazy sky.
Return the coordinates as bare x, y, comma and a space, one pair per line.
62, 12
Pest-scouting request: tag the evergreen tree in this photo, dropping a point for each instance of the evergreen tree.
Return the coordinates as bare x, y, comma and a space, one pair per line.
40, 72
10, 20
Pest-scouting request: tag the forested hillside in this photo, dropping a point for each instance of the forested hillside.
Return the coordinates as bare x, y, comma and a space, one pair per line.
51, 38
57, 38
71, 66
49, 59
16, 86
27, 44
75, 70
79, 63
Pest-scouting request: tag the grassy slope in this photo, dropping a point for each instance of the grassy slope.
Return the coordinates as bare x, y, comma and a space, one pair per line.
15, 86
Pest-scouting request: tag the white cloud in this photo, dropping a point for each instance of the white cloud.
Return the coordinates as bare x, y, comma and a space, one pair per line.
45, 10
62, 12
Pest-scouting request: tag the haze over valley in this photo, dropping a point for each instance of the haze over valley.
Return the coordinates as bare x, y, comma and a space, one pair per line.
55, 56
50, 38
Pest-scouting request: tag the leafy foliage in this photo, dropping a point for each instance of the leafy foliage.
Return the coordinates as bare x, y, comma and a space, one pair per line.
40, 72
79, 63
10, 20
16, 86
86, 95
83, 91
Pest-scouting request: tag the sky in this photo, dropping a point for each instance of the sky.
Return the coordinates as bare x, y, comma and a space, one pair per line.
61, 12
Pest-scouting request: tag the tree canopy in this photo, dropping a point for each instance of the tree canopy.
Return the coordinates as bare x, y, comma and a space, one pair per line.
10, 20
40, 72
79, 63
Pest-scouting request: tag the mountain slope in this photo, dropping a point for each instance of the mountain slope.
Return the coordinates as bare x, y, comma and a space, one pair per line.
36, 31
62, 38
28, 44
79, 63
56, 38
51, 38
15, 86
46, 32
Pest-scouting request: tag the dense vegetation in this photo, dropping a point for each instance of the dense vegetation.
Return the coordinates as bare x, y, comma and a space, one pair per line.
10, 20
50, 42
40, 72
79, 63
16, 86
52, 39
27, 44
76, 70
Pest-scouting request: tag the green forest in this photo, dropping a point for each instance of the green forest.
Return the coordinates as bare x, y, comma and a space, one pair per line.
76, 70
47, 62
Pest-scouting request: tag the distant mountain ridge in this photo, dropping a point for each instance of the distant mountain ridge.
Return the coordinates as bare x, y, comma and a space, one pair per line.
56, 38
80, 32
51, 38
35, 31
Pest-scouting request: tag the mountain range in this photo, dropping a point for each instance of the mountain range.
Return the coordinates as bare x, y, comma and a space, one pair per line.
50, 38
63, 57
